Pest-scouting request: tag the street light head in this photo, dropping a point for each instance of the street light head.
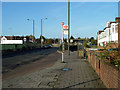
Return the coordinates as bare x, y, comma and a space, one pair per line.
28, 19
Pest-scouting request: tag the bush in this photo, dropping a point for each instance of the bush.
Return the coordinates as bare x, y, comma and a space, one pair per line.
111, 57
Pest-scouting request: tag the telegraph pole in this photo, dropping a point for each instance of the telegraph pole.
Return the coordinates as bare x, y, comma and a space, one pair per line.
68, 27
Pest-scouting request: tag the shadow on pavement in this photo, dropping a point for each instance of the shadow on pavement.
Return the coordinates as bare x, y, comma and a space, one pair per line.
80, 83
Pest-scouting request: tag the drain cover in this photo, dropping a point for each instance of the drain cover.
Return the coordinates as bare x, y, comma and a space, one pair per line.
65, 69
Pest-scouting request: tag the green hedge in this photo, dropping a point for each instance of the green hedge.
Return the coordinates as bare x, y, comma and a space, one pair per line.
20, 46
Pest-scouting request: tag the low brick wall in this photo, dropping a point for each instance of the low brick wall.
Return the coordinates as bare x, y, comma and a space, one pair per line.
109, 74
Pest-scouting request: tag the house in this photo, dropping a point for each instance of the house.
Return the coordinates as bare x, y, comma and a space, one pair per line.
109, 34
76, 41
4, 40
24, 38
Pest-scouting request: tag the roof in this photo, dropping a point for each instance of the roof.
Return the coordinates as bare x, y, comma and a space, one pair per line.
99, 32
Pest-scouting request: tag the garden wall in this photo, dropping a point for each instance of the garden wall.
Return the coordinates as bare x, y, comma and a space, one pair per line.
109, 74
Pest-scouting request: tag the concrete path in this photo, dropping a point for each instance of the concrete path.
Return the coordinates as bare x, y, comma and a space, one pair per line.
81, 76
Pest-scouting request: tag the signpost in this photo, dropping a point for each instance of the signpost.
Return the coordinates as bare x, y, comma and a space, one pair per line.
24, 40
66, 29
64, 32
62, 43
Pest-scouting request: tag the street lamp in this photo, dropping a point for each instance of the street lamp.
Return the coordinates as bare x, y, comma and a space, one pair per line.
68, 27
41, 32
33, 27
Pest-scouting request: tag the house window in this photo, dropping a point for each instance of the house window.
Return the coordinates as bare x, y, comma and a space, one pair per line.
113, 30
116, 29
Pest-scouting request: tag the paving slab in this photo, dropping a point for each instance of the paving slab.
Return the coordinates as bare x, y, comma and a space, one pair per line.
82, 74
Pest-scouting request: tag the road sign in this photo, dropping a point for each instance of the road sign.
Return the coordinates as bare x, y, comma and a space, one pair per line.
62, 23
65, 27
66, 32
25, 39
71, 40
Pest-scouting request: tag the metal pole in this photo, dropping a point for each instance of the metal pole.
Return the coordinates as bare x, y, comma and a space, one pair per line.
41, 33
62, 45
68, 27
33, 30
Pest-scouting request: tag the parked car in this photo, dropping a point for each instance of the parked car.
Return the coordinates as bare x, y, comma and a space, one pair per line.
47, 46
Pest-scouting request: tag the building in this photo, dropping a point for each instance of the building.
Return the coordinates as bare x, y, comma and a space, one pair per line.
25, 38
4, 40
109, 34
13, 37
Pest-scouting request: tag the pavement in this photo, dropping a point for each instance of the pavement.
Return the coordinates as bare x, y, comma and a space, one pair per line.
80, 74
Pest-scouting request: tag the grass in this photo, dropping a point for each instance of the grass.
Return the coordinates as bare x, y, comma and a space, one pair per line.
20, 46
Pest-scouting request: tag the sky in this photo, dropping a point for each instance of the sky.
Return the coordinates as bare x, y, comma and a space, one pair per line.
86, 18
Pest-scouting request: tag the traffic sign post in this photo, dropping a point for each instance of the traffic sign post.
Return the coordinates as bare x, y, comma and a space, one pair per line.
65, 27
62, 43
24, 40
65, 32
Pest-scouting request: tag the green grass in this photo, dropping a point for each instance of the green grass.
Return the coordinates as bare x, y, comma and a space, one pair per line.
20, 46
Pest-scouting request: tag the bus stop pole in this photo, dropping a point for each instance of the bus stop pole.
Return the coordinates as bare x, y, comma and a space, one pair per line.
62, 45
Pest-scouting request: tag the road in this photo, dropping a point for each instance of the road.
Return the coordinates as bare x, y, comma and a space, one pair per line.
18, 64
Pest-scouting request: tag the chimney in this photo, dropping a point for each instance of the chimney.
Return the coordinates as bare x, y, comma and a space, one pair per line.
117, 19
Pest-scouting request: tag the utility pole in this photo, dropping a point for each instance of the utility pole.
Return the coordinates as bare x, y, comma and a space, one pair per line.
68, 27
33, 27
41, 34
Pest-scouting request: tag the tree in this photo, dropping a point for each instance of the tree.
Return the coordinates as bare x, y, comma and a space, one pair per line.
30, 36
43, 38
86, 45
92, 38
87, 39
71, 37
79, 38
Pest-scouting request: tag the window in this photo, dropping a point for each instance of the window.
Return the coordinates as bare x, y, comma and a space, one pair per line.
112, 30
116, 29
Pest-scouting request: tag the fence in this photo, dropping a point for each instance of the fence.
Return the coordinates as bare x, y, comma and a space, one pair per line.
109, 74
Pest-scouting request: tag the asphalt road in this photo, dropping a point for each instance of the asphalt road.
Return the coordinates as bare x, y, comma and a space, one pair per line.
18, 64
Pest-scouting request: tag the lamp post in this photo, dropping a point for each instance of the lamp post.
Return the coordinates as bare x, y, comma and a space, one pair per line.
68, 27
33, 27
41, 32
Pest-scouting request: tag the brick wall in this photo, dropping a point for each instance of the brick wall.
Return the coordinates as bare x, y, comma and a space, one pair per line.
119, 35
117, 19
113, 45
109, 74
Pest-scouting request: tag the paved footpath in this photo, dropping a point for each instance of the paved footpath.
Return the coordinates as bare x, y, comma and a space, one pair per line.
81, 76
